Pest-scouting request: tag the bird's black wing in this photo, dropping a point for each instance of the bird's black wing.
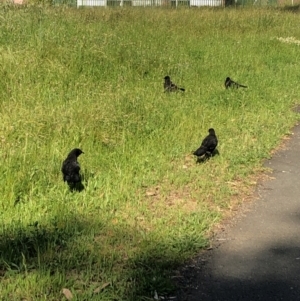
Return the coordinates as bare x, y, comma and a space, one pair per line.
208, 144
176, 88
171, 87
212, 143
230, 83
207, 141
203, 147
239, 85
70, 170
200, 151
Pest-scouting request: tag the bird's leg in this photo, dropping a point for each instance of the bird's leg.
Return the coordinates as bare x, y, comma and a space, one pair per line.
208, 154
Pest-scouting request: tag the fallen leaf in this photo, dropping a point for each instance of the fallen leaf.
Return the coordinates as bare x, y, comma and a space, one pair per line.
151, 193
102, 287
67, 293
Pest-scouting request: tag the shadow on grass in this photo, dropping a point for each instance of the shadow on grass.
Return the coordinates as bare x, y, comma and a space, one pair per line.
291, 8
64, 253
154, 269
101, 272
30, 242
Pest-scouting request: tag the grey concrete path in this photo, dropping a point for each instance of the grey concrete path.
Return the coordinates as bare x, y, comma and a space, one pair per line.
258, 257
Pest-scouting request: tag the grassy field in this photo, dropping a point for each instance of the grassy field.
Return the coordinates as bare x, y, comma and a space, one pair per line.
92, 78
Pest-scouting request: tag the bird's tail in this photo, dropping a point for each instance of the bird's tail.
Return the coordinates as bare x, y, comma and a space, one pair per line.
182, 89
242, 86
199, 152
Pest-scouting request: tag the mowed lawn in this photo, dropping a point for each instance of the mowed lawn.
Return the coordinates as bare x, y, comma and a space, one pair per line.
93, 79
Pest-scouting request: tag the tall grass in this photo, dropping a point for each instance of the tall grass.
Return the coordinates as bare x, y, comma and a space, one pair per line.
92, 78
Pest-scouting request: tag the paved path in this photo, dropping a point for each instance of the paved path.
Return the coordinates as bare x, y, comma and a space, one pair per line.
257, 258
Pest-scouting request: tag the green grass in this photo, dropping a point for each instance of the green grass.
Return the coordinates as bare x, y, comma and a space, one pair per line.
92, 78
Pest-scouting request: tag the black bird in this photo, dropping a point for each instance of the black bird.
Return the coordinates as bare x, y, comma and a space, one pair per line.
70, 168
169, 86
208, 145
230, 83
